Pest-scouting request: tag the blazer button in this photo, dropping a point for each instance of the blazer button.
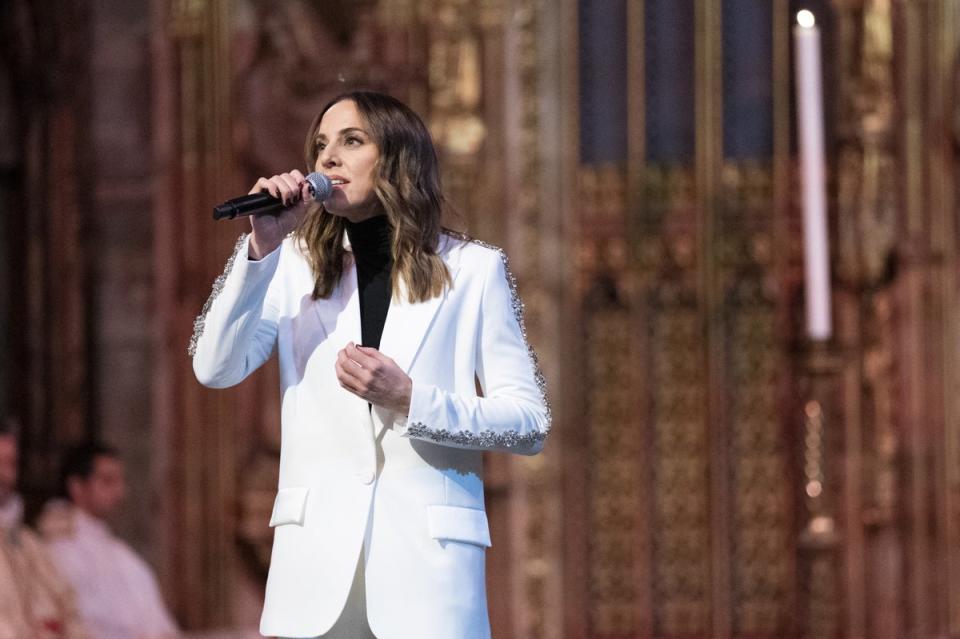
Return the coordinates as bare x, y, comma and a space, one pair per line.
366, 476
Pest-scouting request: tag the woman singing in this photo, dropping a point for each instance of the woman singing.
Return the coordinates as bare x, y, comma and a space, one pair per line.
386, 325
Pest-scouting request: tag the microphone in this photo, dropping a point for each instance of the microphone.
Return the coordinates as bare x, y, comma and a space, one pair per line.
263, 203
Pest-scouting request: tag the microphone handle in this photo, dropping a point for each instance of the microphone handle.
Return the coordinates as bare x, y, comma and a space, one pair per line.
254, 204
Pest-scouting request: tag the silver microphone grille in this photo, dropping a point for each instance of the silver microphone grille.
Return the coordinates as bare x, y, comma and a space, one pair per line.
321, 186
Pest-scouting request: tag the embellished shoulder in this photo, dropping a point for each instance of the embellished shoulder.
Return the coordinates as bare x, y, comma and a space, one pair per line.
469, 246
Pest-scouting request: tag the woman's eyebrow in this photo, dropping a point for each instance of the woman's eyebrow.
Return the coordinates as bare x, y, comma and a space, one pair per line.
343, 132
351, 129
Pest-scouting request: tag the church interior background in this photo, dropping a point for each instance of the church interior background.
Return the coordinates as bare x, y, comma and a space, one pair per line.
712, 473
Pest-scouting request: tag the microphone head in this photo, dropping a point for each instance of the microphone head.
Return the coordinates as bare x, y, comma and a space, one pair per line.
320, 186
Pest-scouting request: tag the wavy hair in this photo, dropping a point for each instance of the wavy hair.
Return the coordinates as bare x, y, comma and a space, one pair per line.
407, 184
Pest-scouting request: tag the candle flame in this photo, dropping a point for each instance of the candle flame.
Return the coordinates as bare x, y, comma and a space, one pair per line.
805, 19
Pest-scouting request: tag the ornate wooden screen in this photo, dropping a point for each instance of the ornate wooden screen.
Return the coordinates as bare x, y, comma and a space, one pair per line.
634, 158
718, 502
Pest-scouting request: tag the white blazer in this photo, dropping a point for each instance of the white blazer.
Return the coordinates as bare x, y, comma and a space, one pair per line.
407, 490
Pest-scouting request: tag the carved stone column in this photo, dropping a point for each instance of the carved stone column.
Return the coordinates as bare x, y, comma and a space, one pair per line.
867, 170
48, 367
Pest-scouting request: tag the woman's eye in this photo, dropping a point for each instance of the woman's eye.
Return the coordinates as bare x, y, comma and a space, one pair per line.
320, 146
352, 141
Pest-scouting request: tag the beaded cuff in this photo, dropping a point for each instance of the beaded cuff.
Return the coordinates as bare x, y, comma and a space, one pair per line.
486, 439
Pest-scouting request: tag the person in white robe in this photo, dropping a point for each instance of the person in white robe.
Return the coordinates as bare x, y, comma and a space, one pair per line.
117, 591
35, 600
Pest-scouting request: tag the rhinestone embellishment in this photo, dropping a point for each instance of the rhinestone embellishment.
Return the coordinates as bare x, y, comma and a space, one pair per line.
199, 323
488, 438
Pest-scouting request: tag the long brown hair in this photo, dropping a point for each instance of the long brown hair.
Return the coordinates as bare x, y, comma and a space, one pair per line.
407, 184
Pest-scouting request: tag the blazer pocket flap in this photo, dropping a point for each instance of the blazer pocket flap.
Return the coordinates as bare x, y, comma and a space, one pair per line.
290, 506
455, 523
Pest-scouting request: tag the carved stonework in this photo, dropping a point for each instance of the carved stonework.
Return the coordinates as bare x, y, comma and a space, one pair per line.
869, 227
681, 460
666, 270
760, 524
406, 12
758, 504
48, 373
870, 223
880, 385
524, 218
866, 166
762, 539
879, 228
602, 249
290, 58
669, 193
616, 470
458, 33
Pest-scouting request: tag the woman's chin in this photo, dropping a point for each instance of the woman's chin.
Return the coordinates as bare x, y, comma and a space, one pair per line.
339, 210
354, 213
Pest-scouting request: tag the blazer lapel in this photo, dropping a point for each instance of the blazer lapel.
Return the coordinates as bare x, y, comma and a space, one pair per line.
340, 314
407, 324
405, 327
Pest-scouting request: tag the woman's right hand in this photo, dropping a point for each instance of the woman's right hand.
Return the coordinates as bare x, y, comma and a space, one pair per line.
268, 231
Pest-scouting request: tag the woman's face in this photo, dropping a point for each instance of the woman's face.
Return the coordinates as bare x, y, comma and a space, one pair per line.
347, 154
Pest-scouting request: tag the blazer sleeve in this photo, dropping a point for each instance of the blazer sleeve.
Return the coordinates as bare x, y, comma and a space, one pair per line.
236, 332
513, 415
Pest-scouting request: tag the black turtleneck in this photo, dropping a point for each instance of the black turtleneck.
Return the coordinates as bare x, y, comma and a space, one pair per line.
370, 241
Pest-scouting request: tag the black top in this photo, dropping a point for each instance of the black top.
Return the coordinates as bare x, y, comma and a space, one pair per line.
370, 241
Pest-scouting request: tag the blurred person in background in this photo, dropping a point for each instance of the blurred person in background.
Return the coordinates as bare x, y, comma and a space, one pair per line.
35, 600
117, 592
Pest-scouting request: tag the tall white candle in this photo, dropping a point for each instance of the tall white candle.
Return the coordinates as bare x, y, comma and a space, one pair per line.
816, 245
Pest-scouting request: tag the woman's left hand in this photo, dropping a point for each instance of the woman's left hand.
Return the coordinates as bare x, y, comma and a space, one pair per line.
368, 373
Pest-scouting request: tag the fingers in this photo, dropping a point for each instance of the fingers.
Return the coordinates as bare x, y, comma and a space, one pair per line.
369, 358
288, 187
371, 375
305, 188
347, 378
263, 184
349, 364
357, 370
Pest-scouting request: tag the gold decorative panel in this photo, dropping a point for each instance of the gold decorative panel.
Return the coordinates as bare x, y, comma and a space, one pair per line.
670, 315
681, 463
761, 561
754, 371
616, 474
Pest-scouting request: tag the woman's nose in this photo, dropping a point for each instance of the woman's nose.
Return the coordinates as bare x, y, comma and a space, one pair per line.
327, 158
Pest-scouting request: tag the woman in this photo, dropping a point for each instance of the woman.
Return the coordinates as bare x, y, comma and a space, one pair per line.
380, 522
